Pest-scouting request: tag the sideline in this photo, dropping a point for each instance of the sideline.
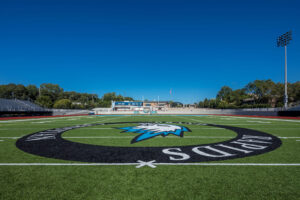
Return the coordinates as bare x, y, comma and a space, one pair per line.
119, 137
265, 118
152, 164
34, 119
37, 117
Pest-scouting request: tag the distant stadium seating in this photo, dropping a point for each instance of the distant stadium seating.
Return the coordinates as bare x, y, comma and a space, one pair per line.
18, 105
21, 107
291, 111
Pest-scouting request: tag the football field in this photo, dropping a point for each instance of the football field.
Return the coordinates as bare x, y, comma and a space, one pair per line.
150, 157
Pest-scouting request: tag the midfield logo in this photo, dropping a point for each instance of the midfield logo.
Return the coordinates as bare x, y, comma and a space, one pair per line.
51, 144
151, 130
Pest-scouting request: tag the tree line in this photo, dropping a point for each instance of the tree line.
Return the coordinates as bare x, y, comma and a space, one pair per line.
256, 94
53, 96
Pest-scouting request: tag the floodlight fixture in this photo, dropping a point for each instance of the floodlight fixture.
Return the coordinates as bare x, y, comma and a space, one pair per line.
283, 41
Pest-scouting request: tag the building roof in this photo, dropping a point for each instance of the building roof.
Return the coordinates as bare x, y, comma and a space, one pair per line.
156, 102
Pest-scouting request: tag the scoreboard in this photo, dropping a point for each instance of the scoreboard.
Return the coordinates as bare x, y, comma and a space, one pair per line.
128, 103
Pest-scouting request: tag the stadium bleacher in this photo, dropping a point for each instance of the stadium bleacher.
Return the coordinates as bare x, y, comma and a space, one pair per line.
21, 107
18, 105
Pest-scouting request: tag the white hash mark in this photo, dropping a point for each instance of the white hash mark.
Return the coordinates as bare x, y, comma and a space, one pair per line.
143, 163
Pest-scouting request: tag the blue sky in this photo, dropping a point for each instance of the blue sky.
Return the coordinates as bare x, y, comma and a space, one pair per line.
144, 48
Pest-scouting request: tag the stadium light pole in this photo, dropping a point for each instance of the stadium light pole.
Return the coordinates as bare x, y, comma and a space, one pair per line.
283, 41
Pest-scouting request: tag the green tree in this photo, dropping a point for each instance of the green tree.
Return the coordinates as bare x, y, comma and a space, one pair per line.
262, 90
297, 91
206, 103
222, 105
63, 104
12, 91
128, 99
6, 91
224, 94
201, 104
44, 101
103, 104
237, 96
51, 90
33, 92
109, 96
20, 92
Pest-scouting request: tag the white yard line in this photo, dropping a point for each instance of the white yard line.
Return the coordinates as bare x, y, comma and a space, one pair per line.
191, 119
99, 128
121, 137
243, 124
260, 122
117, 128
185, 137
232, 164
109, 119
275, 128
117, 137
271, 119
264, 123
24, 120
41, 122
153, 163
6, 129
22, 136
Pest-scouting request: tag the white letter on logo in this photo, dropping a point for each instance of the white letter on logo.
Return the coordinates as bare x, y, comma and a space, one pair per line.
169, 152
222, 153
249, 146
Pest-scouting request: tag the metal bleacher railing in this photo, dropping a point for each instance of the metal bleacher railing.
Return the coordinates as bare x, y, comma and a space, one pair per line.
9, 105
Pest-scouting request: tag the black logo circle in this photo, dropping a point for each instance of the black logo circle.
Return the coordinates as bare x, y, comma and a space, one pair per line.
49, 143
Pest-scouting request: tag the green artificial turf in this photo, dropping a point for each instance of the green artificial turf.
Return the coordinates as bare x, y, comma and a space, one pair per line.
162, 182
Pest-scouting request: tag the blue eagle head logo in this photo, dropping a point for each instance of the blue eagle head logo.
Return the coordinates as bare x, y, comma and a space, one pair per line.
150, 130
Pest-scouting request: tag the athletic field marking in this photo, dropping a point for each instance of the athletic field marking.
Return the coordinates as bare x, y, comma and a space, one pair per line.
117, 137
275, 128
198, 128
6, 129
204, 137
150, 164
53, 118
191, 119
260, 122
143, 163
110, 119
99, 128
23, 120
41, 122
107, 119
120, 137
1, 140
271, 119
256, 118
58, 118
115, 128
246, 124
